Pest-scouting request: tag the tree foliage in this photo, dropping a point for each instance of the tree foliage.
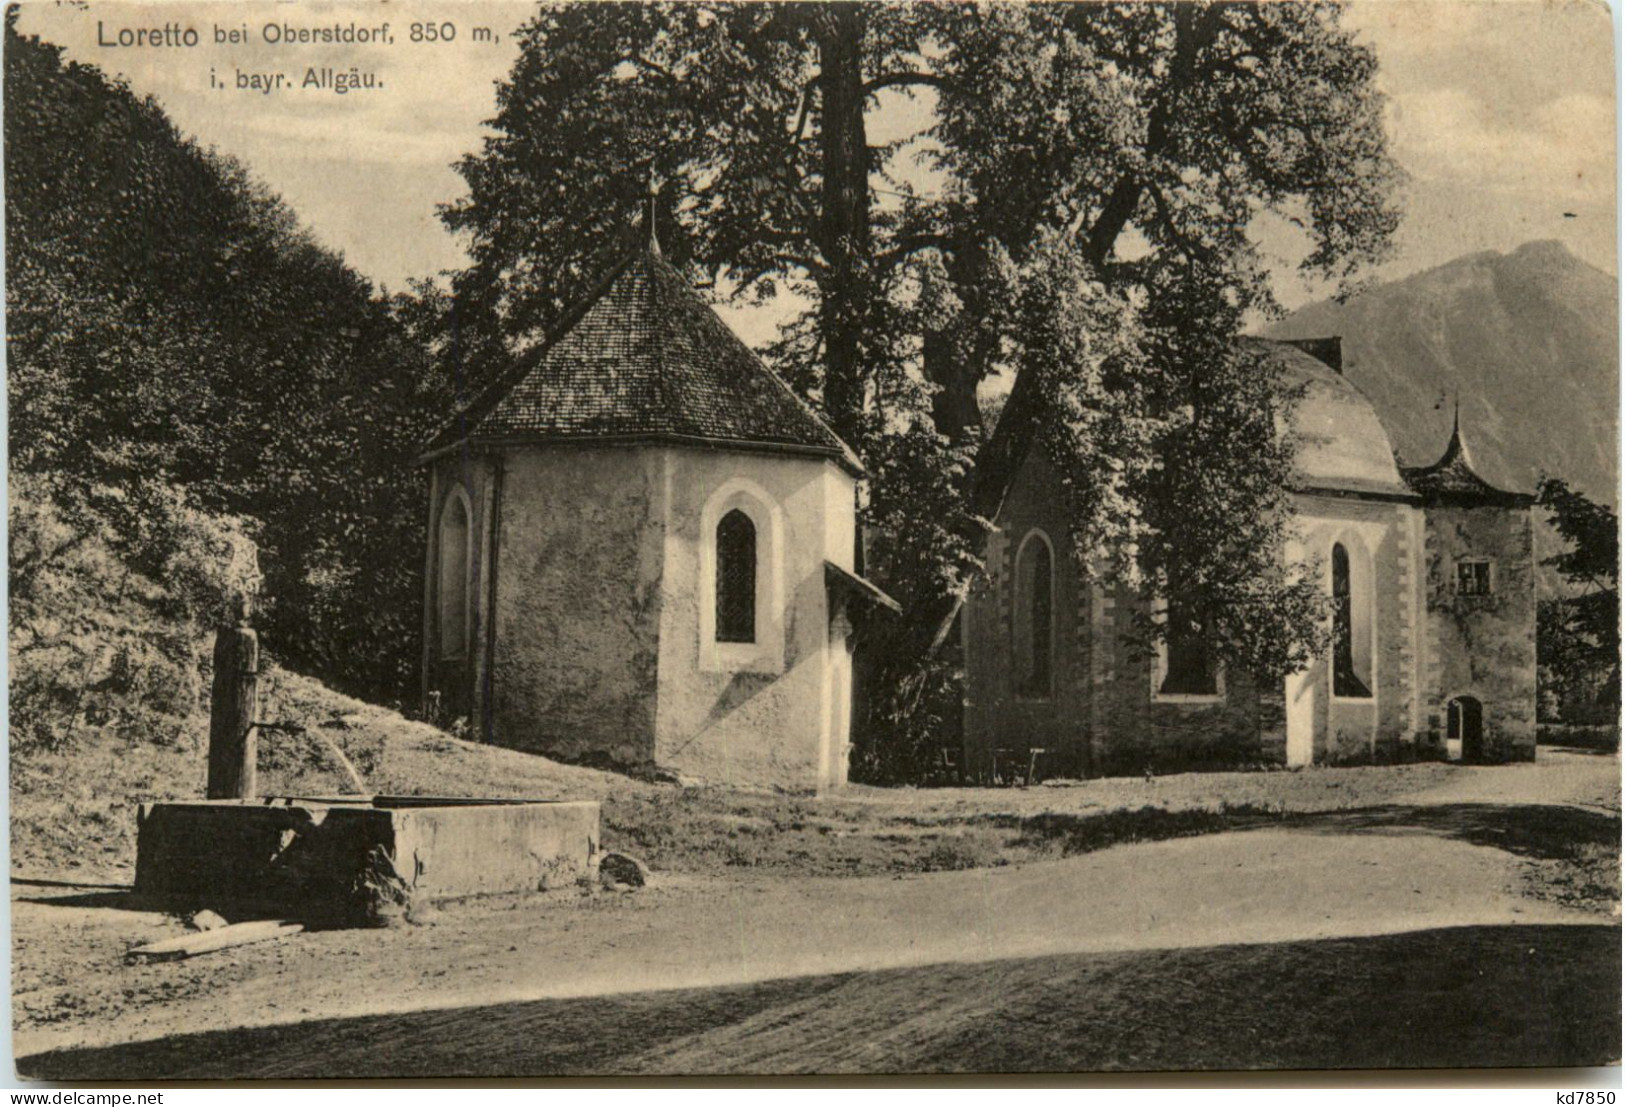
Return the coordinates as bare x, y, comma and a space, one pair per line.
1577, 634
169, 321
1081, 224
1153, 138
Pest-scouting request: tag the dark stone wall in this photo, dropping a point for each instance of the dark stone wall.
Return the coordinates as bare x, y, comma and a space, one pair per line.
1104, 716
1139, 730
1100, 717
1483, 646
997, 715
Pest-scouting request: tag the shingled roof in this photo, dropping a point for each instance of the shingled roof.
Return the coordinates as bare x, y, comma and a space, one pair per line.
1452, 479
644, 358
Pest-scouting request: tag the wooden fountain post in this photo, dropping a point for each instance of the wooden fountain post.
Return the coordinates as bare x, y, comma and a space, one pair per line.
234, 702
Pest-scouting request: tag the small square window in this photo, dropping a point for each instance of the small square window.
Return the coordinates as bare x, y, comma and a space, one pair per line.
1474, 578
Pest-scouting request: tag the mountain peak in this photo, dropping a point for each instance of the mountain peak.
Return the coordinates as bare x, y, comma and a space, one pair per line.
1542, 252
1526, 339
1544, 248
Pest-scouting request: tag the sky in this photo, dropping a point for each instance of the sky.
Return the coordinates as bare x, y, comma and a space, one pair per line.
1502, 113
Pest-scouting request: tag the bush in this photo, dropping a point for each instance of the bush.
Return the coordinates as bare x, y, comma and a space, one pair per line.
915, 712
1603, 738
96, 640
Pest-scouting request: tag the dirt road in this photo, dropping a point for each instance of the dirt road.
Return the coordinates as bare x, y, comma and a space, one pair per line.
1456, 859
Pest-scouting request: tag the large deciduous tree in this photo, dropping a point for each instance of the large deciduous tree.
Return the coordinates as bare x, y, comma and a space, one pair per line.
1075, 213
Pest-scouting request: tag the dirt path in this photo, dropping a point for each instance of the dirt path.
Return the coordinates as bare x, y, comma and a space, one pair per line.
1461, 997
1260, 886
1571, 777
1421, 866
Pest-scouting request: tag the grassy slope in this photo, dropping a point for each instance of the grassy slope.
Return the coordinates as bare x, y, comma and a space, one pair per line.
73, 812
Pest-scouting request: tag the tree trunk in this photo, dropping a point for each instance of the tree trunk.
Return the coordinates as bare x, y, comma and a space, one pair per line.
955, 411
843, 230
957, 368
233, 711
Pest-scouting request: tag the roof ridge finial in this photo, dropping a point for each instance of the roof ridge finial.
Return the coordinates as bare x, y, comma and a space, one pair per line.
651, 196
1458, 443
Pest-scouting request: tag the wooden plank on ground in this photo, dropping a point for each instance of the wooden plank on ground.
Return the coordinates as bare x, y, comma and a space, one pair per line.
224, 937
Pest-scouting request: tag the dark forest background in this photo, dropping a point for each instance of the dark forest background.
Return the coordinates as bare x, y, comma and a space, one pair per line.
202, 402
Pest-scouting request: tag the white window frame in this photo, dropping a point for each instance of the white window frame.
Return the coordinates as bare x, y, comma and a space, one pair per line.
766, 653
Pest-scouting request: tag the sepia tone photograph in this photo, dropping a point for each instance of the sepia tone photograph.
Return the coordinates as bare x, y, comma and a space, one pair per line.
841, 539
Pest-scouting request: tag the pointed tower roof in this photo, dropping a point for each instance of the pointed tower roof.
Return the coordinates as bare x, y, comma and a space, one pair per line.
644, 358
1452, 479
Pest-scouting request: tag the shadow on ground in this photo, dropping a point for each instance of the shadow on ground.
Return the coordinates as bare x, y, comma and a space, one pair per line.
68, 893
1090, 831
1540, 831
125, 900
27, 882
1459, 997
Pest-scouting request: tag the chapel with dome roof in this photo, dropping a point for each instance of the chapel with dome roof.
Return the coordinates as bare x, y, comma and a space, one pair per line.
1431, 574
640, 549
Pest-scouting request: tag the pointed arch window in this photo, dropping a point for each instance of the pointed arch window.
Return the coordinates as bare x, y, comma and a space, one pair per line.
736, 578
1034, 622
741, 580
453, 582
1351, 631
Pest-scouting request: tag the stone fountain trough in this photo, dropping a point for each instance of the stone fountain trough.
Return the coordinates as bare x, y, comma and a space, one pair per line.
341, 859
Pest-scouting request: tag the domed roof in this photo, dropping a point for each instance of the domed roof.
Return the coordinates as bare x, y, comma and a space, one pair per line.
1342, 446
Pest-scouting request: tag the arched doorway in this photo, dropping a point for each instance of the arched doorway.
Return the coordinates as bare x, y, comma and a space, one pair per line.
1464, 733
